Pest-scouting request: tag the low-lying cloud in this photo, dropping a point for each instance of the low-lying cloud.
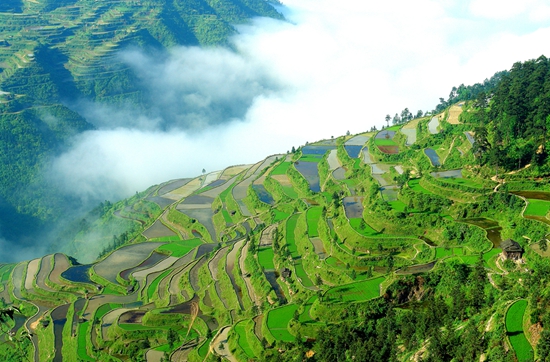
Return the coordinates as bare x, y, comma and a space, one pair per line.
332, 67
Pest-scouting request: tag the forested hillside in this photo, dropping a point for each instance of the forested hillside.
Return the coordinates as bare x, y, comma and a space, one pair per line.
55, 53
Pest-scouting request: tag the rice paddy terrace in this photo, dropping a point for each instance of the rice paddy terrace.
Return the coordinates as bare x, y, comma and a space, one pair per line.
239, 262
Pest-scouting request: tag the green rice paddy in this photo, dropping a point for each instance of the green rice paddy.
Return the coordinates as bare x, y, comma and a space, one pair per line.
243, 339
415, 186
181, 247
277, 322
311, 158
514, 330
290, 192
362, 227
384, 142
81, 342
355, 292
265, 258
152, 289
281, 169
313, 215
537, 208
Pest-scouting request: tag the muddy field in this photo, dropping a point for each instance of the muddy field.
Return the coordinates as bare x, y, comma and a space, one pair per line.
433, 156
433, 125
390, 150
353, 207
153, 259
32, 269
319, 248
124, 257
45, 268
359, 140
333, 161
311, 174
158, 230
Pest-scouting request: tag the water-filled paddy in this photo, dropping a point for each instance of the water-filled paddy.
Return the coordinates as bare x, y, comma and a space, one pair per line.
158, 230
153, 259
263, 194
359, 140
353, 205
173, 185
385, 134
77, 274
353, 150
448, 174
316, 149
433, 156
339, 174
126, 256
433, 125
491, 228
311, 174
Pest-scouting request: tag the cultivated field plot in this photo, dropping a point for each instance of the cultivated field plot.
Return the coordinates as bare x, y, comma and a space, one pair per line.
360, 226
470, 137
353, 150
78, 274
333, 161
203, 215
313, 215
339, 174
448, 174
218, 187
45, 268
243, 336
61, 263
263, 194
311, 173
433, 156
355, 292
184, 190
514, 330
158, 230
537, 208
389, 193
319, 248
234, 171
367, 157
32, 269
454, 113
318, 150
172, 185
409, 130
385, 143
359, 140
180, 248
353, 206
123, 258
433, 125
277, 322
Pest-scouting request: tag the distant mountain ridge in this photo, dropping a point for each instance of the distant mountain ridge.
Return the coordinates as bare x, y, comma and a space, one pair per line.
56, 52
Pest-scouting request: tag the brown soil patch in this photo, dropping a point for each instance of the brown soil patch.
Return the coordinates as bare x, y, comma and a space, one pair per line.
233, 170
282, 179
61, 263
390, 150
412, 124
454, 113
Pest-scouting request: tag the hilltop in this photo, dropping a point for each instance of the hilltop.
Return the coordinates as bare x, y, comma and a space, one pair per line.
417, 241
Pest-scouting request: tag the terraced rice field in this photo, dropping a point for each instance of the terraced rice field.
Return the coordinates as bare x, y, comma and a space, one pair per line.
313, 215
353, 206
180, 248
415, 186
355, 292
409, 130
311, 173
277, 322
128, 255
433, 156
537, 208
243, 338
333, 161
454, 113
514, 330
158, 230
317, 150
433, 125
359, 225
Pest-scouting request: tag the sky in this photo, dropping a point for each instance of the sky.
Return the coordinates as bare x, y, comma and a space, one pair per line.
332, 67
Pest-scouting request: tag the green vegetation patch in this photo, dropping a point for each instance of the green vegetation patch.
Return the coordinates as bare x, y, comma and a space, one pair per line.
514, 330
384, 142
5, 271
313, 215
359, 225
152, 289
537, 208
311, 158
277, 322
281, 169
443, 252
265, 258
82, 335
181, 247
415, 186
243, 339
355, 292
